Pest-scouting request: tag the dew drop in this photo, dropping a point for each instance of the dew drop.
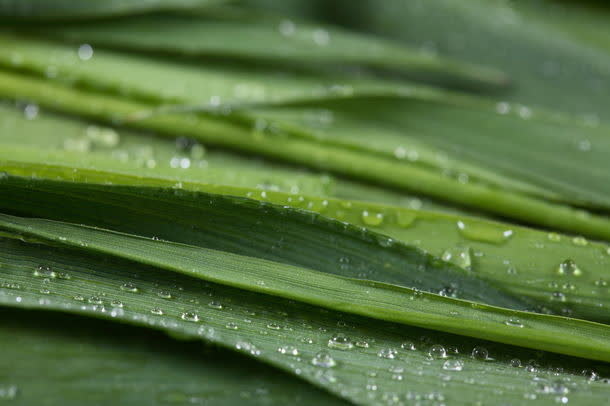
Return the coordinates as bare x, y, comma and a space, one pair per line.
389, 353
273, 326
95, 300
405, 219
437, 351
116, 303
458, 255
129, 287
288, 350
164, 294
43, 271
215, 305
558, 297
8, 392
190, 316
85, 52
340, 342
323, 359
408, 345
569, 268
372, 219
513, 322
231, 326
480, 353
248, 347
580, 241
515, 363
453, 365
157, 311
483, 232
553, 237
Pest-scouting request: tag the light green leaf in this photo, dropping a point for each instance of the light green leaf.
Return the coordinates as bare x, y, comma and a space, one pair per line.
270, 142
234, 33
61, 9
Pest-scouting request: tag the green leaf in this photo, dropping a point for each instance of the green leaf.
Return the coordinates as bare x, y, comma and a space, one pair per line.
200, 83
566, 276
366, 361
301, 150
239, 34
541, 45
61, 9
54, 359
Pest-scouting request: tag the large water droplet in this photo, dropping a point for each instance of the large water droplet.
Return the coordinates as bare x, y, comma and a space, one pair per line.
569, 268
453, 365
458, 255
323, 359
437, 351
513, 322
340, 342
190, 316
480, 353
129, 287
288, 350
43, 271
389, 353
372, 219
484, 232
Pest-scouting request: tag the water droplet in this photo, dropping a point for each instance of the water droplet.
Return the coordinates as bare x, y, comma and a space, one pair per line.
129, 287
569, 268
190, 316
590, 374
273, 326
437, 351
389, 353
102, 136
79, 298
405, 218
157, 311
601, 283
85, 52
484, 232
247, 347
558, 297
580, 241
480, 353
553, 237
340, 342
95, 300
30, 111
288, 350
458, 255
116, 303
231, 326
513, 322
43, 271
515, 363
287, 28
372, 219
215, 305
321, 37
503, 108
408, 345
323, 359
8, 392
453, 365
164, 294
